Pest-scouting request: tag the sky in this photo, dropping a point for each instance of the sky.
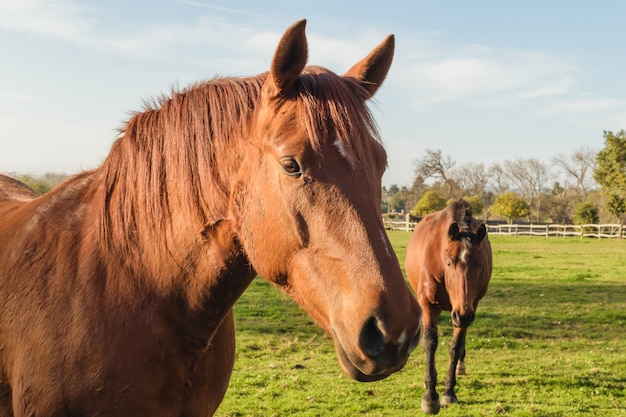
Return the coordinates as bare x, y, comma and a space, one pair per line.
483, 81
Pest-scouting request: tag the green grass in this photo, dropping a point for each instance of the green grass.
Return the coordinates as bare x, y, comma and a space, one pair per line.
549, 340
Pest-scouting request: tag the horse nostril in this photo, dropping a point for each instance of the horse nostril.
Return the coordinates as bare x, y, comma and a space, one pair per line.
462, 321
371, 338
454, 316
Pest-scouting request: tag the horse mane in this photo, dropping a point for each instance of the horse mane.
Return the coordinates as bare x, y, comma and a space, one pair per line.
170, 169
171, 166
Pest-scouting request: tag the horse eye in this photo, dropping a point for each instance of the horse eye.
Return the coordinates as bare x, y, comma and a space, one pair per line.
448, 262
290, 166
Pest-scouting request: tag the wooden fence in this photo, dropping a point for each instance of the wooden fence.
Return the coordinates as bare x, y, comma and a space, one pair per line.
600, 231
399, 225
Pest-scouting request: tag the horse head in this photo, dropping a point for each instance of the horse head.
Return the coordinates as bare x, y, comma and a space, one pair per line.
464, 271
306, 204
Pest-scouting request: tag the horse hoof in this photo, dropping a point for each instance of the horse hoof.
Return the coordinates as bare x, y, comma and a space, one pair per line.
430, 407
448, 399
460, 368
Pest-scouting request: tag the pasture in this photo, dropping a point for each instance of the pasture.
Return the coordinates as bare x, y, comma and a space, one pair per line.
549, 340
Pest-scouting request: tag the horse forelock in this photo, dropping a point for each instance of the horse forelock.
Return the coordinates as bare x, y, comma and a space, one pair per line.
334, 108
460, 212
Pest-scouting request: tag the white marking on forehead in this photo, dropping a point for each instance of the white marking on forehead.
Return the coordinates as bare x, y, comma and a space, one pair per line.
464, 254
342, 150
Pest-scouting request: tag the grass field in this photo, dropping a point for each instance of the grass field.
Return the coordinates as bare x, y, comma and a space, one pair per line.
549, 340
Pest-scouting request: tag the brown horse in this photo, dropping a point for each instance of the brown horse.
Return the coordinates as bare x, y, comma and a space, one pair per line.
117, 287
448, 263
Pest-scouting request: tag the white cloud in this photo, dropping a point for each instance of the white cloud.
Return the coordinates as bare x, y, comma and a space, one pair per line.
77, 24
210, 38
472, 76
478, 74
61, 18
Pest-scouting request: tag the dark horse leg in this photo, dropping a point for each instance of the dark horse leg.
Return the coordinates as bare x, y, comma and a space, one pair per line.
457, 355
460, 367
430, 399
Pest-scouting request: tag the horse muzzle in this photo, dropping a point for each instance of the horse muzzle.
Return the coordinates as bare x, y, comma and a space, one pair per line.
377, 356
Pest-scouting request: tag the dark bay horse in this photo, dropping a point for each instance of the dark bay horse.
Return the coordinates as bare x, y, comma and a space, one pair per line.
448, 263
117, 287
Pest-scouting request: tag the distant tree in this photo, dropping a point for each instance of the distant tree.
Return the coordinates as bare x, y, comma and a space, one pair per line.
616, 206
579, 166
496, 176
610, 170
393, 199
558, 206
558, 209
531, 176
437, 166
398, 201
471, 178
558, 190
586, 213
385, 199
430, 202
38, 184
510, 206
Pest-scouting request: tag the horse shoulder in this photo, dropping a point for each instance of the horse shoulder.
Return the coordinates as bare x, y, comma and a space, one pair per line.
211, 373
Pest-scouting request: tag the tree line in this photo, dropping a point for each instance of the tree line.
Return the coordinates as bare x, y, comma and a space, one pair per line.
583, 186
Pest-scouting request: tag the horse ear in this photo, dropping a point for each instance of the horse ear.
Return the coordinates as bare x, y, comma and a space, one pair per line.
289, 59
480, 233
372, 70
453, 231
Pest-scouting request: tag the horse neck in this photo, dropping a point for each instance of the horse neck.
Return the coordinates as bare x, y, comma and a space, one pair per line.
156, 247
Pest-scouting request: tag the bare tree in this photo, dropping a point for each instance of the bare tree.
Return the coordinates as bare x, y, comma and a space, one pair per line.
435, 165
580, 166
530, 176
471, 178
498, 179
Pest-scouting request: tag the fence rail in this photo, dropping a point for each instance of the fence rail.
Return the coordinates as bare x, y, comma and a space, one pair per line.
600, 231
399, 225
